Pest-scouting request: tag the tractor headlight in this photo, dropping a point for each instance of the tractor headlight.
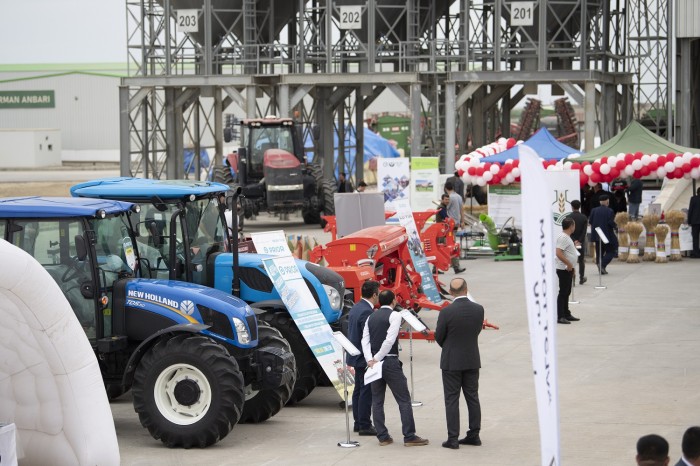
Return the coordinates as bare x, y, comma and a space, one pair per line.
241, 330
333, 297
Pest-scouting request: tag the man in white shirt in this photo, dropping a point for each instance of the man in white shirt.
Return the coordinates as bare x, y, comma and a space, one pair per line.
566, 257
380, 345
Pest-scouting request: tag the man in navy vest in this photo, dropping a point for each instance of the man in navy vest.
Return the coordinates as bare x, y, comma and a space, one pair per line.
380, 346
362, 395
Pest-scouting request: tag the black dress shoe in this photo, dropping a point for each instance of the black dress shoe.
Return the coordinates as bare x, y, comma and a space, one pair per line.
475, 440
562, 320
459, 270
571, 318
355, 429
583, 280
604, 272
371, 432
451, 444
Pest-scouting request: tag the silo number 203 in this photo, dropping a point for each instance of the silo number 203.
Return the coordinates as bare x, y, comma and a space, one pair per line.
187, 20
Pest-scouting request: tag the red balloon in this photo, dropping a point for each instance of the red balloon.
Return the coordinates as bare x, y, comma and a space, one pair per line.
604, 159
495, 180
661, 160
637, 174
614, 173
645, 171
596, 166
487, 166
629, 158
670, 156
596, 178
638, 155
460, 172
583, 178
479, 171
575, 166
510, 142
678, 173
695, 162
653, 166
621, 164
516, 163
686, 168
471, 171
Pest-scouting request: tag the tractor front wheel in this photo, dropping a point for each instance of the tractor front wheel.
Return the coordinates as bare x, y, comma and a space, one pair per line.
188, 391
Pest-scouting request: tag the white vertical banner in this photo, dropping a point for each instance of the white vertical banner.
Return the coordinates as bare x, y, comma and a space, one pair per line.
393, 179
540, 296
282, 269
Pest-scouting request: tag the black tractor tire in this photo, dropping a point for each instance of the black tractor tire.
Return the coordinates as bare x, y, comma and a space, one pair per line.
263, 404
203, 373
328, 191
308, 370
223, 175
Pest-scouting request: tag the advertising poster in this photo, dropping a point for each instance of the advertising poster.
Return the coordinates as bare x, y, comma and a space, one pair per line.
540, 296
504, 204
565, 187
425, 187
415, 247
302, 307
393, 179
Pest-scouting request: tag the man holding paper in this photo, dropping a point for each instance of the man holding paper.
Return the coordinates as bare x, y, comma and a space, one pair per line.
362, 395
381, 350
457, 333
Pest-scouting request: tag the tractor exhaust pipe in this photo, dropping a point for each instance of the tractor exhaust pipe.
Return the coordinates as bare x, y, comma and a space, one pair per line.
235, 282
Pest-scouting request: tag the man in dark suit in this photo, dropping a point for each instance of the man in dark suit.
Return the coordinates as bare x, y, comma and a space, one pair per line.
694, 222
380, 345
362, 395
603, 217
690, 446
652, 450
579, 234
457, 332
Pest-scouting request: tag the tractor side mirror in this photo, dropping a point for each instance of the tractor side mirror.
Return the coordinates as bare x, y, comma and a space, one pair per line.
155, 234
80, 247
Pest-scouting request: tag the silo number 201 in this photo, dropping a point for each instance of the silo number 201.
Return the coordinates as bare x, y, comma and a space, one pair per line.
521, 14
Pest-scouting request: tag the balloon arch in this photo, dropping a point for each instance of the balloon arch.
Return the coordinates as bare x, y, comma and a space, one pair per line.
604, 170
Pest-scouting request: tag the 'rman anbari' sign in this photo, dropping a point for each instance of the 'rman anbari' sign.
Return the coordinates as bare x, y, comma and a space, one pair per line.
27, 99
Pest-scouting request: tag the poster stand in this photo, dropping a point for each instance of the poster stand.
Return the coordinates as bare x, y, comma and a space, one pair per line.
601, 239
418, 326
351, 349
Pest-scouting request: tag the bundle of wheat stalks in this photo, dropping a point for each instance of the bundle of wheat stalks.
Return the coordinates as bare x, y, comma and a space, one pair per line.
675, 219
622, 219
661, 233
650, 221
634, 229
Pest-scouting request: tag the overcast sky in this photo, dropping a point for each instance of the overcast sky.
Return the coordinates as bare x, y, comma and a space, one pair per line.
62, 31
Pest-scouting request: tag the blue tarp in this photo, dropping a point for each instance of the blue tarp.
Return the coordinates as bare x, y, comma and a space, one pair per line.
374, 146
541, 142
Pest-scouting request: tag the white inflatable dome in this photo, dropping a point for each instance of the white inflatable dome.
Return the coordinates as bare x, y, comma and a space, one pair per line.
50, 382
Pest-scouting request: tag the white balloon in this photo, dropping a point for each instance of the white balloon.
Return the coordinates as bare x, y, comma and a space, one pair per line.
567, 165
646, 158
612, 160
488, 176
509, 160
604, 169
591, 183
494, 168
637, 164
695, 172
588, 170
481, 181
678, 162
516, 172
510, 177
661, 172
686, 157
629, 170
669, 167
654, 157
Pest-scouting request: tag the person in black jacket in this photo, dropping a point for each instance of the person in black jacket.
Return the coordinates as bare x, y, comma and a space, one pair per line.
634, 196
603, 217
579, 234
694, 222
457, 333
362, 394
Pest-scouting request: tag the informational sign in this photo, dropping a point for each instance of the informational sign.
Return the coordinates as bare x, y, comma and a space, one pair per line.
296, 296
565, 187
27, 99
393, 179
187, 20
415, 247
522, 13
540, 293
425, 188
350, 17
504, 204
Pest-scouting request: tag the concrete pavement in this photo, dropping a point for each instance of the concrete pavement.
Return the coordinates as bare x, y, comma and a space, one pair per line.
628, 368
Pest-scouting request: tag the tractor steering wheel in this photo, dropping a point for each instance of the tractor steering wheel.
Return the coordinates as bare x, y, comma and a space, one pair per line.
74, 270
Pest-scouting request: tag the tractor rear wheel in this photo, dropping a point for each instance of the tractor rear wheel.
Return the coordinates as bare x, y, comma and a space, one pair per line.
188, 391
223, 175
115, 390
328, 191
308, 370
261, 405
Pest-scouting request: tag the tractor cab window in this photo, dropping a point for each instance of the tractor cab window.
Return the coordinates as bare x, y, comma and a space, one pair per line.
206, 233
3, 228
268, 137
113, 248
52, 243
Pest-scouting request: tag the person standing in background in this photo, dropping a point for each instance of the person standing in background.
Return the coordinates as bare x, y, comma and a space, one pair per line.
690, 446
652, 450
694, 222
456, 213
579, 235
634, 197
458, 184
564, 261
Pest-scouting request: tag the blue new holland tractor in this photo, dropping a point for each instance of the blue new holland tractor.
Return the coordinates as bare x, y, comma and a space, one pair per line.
184, 233
196, 359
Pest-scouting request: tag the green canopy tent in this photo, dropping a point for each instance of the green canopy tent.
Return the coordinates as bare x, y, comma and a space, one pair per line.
635, 138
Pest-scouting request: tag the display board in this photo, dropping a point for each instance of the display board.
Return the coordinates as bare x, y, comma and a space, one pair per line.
393, 180
425, 187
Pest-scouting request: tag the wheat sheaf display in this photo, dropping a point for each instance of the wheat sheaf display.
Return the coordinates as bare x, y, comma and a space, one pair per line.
661, 233
622, 219
650, 221
675, 219
634, 229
